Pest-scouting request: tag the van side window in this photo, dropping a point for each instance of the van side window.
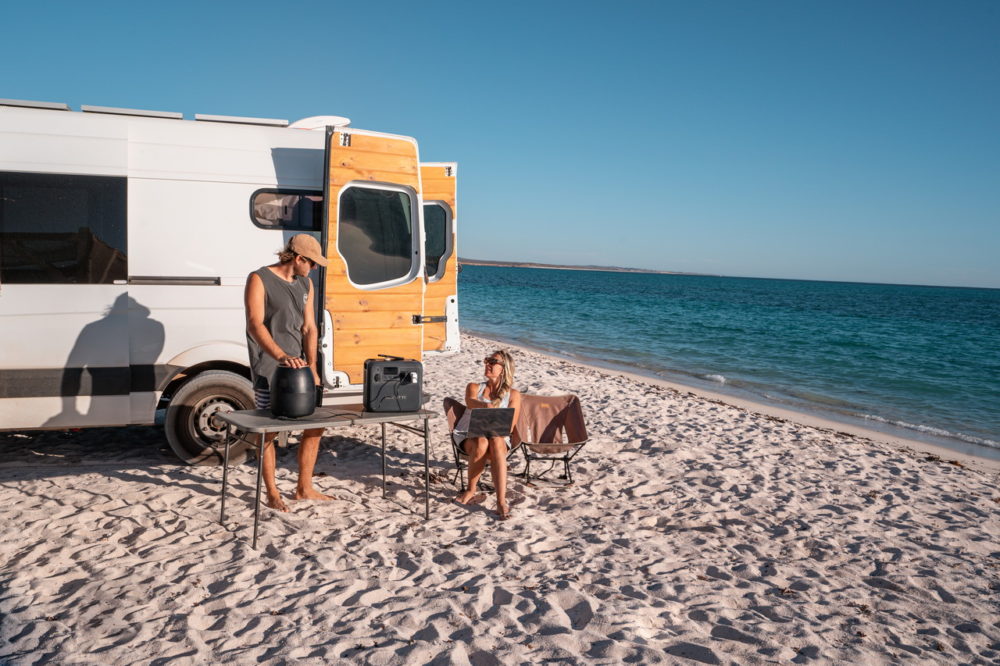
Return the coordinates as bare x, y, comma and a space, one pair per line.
296, 210
62, 229
375, 234
437, 248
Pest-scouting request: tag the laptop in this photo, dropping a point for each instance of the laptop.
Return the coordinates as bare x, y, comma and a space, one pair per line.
491, 421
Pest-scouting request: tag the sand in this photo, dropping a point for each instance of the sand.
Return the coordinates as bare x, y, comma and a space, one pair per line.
697, 532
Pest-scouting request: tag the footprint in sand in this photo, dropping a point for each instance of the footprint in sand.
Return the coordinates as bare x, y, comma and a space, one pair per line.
577, 608
694, 652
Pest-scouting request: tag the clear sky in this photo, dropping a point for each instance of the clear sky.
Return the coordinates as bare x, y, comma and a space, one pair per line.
837, 140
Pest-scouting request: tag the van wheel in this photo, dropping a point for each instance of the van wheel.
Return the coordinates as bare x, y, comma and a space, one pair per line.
193, 432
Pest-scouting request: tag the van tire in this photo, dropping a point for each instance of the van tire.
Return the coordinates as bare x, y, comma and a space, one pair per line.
196, 437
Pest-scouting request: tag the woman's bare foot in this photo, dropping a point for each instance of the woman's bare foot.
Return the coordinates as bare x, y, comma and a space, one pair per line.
312, 494
503, 511
469, 497
276, 503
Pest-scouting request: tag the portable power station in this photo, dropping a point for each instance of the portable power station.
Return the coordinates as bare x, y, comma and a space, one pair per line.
393, 384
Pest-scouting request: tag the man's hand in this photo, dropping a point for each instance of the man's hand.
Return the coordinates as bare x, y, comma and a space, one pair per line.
292, 361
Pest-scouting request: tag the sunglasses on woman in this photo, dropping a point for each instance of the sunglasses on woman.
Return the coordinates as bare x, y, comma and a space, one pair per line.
489, 360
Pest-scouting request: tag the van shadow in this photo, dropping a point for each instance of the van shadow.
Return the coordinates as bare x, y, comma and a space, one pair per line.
140, 454
50, 453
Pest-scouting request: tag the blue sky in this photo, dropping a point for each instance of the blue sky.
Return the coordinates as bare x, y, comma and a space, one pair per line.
822, 140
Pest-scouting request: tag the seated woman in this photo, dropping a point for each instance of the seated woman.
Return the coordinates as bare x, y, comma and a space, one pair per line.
496, 391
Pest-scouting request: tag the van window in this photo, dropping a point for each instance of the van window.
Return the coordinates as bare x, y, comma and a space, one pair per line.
437, 246
62, 229
375, 234
297, 210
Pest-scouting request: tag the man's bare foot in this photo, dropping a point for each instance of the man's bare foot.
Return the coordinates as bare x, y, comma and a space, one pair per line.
470, 497
312, 494
276, 503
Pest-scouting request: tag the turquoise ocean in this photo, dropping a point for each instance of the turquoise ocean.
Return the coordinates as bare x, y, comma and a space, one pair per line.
918, 362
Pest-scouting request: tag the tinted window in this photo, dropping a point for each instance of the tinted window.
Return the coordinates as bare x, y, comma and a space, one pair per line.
58, 229
375, 235
436, 234
287, 209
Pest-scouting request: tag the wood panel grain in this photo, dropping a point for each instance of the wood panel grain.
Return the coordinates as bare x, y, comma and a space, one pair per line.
369, 322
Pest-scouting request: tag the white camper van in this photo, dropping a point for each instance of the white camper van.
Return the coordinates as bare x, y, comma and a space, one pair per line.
126, 237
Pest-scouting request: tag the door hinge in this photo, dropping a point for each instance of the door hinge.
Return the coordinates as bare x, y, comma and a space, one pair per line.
423, 319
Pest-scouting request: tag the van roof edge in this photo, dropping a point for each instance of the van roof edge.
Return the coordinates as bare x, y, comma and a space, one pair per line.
132, 112
55, 106
274, 122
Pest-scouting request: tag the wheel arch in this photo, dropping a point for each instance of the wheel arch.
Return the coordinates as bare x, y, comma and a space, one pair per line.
191, 363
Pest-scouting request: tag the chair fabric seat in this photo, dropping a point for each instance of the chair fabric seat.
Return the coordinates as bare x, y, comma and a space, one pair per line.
550, 428
549, 449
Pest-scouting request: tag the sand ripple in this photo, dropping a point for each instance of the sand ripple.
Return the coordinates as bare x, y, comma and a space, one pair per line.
697, 532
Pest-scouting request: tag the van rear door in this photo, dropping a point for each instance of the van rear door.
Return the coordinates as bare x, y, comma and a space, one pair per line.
440, 256
374, 287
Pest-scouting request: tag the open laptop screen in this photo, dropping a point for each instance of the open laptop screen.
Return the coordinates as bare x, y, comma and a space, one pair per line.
491, 421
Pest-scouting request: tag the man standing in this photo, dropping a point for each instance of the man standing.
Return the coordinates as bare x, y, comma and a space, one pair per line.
281, 330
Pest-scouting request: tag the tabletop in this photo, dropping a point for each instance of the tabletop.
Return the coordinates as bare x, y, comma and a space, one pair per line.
261, 420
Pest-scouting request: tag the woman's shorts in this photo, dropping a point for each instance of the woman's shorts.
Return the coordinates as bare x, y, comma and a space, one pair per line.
460, 437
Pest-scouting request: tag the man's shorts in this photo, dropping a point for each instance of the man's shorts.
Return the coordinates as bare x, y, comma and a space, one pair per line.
262, 398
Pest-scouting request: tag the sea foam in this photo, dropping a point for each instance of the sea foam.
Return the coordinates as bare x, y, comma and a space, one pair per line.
936, 432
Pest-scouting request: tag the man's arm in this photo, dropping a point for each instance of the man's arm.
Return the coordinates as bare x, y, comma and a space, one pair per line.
253, 303
310, 334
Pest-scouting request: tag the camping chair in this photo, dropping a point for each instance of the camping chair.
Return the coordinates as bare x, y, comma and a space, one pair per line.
453, 410
553, 429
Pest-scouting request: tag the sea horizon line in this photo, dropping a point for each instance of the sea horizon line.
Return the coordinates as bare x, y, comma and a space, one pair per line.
624, 269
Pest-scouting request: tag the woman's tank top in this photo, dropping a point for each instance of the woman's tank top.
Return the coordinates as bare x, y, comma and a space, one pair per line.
284, 307
482, 390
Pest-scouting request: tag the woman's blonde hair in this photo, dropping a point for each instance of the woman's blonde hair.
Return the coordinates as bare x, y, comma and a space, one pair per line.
506, 377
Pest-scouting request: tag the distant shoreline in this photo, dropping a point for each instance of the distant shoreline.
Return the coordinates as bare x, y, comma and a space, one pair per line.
622, 269
606, 269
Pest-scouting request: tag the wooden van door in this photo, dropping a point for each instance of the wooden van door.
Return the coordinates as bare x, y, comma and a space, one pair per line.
373, 287
439, 181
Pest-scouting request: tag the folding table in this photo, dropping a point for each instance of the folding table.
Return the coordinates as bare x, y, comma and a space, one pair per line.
260, 422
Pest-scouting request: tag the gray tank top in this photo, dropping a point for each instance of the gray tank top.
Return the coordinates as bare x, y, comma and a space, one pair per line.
284, 306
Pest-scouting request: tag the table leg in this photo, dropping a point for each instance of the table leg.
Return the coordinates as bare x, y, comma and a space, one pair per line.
427, 471
225, 475
260, 468
383, 460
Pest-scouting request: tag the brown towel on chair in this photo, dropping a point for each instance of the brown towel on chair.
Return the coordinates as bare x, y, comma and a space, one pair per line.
555, 423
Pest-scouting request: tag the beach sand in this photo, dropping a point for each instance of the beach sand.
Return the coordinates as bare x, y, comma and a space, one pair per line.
698, 532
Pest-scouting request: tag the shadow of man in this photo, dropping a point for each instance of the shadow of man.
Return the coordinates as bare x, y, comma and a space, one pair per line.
106, 390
